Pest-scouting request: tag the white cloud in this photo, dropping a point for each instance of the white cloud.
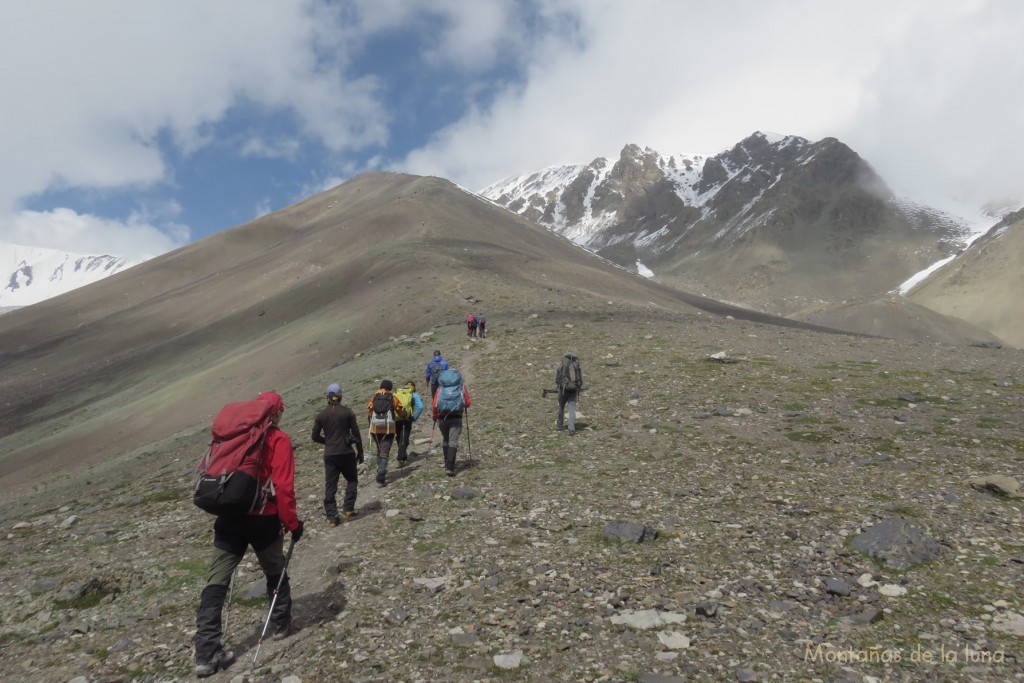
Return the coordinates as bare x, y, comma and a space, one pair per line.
280, 148
97, 84
943, 115
471, 36
86, 234
263, 207
924, 91
473, 32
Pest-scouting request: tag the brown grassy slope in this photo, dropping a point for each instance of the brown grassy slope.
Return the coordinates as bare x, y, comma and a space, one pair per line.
984, 286
150, 351
896, 318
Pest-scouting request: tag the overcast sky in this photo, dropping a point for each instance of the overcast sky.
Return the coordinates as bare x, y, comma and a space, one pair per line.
132, 128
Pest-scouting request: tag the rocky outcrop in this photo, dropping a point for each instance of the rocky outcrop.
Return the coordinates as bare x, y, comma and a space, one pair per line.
897, 543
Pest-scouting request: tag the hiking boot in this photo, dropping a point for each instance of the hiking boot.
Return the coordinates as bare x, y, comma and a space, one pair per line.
571, 431
381, 481
450, 472
334, 521
218, 662
281, 632
348, 514
402, 461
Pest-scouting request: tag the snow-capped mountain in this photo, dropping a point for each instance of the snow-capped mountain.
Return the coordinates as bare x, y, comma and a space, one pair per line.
29, 275
776, 222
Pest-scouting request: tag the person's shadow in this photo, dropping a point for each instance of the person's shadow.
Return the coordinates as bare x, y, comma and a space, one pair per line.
311, 609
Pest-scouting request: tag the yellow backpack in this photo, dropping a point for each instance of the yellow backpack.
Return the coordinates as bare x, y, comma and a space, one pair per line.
404, 396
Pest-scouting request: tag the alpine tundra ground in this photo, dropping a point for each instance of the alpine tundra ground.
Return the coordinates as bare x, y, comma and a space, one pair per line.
756, 471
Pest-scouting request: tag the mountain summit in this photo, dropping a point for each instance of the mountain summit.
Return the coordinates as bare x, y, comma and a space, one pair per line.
777, 223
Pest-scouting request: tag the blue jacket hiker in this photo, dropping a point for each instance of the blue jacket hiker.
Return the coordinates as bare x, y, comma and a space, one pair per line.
433, 370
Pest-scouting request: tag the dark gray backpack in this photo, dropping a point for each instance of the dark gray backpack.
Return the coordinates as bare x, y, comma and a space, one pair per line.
572, 377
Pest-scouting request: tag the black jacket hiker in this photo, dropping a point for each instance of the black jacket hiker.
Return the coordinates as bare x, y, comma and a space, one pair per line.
337, 429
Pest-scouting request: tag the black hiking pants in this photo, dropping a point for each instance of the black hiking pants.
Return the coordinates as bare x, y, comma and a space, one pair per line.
403, 430
336, 466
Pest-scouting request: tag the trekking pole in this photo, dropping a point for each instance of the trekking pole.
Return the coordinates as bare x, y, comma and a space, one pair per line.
432, 429
273, 601
369, 440
469, 442
227, 612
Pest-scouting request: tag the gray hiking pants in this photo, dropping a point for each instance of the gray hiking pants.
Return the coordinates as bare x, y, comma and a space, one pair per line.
566, 400
383, 443
451, 430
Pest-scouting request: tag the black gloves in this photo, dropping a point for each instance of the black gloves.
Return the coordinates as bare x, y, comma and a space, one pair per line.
297, 533
359, 458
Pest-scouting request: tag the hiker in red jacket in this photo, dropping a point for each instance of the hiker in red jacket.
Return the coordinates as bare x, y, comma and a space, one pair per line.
264, 531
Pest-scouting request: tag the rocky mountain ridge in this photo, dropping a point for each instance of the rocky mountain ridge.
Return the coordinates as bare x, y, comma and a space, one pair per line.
776, 222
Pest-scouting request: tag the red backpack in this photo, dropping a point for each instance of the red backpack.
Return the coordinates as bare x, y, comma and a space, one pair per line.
229, 474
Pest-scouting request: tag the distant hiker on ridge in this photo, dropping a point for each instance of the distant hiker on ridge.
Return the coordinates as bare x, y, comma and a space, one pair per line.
263, 529
337, 429
433, 370
412, 407
481, 324
471, 325
382, 411
450, 402
569, 378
